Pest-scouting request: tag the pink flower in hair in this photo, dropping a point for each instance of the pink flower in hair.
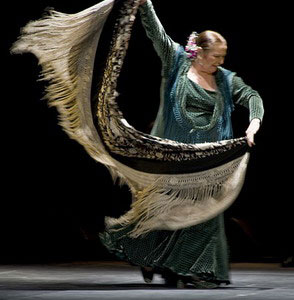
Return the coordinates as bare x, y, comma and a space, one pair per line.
191, 47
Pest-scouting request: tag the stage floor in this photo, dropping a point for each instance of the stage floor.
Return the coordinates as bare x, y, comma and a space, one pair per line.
116, 280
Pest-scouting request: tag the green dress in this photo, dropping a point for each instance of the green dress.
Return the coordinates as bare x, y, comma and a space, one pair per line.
199, 250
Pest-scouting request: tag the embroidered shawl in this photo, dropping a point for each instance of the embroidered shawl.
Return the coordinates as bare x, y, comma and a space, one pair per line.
174, 185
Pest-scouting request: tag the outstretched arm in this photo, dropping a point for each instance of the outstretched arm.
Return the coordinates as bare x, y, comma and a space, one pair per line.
163, 44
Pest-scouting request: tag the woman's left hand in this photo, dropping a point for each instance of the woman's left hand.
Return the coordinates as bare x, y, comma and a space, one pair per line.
251, 131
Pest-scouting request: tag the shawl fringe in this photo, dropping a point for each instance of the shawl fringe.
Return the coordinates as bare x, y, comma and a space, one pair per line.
172, 203
65, 45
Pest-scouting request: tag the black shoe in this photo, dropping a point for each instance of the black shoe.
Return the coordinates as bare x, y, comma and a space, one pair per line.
170, 279
181, 284
201, 284
174, 280
147, 275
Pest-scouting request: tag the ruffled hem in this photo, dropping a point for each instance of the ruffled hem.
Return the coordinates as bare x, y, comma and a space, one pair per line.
161, 269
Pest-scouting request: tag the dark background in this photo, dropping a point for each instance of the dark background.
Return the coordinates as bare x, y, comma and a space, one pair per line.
54, 196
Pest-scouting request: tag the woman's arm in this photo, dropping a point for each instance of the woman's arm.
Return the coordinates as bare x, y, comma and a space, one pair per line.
252, 130
246, 96
163, 44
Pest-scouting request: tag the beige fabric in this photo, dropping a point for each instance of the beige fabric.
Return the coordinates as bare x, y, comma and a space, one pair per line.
66, 46
173, 202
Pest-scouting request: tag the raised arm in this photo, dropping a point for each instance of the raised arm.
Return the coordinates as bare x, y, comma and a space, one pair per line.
163, 44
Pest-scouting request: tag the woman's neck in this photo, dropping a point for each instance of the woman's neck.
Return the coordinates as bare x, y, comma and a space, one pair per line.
200, 70
205, 79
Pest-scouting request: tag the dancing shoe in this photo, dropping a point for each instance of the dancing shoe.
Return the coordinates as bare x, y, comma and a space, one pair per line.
147, 274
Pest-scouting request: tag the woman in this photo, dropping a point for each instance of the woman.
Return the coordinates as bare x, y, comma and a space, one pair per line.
195, 92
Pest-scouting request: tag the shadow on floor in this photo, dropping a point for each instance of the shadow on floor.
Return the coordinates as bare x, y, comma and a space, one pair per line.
111, 287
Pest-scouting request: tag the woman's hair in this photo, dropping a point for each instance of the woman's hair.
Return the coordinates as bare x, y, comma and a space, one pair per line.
208, 38
203, 40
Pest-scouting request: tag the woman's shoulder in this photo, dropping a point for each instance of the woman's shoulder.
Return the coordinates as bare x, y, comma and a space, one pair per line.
180, 55
225, 72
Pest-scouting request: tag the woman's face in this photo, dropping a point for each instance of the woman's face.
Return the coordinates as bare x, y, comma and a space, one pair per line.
213, 57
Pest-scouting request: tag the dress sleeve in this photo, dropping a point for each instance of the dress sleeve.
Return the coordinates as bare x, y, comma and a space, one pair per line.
246, 96
163, 44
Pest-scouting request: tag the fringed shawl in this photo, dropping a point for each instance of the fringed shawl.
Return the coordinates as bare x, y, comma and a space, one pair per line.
174, 185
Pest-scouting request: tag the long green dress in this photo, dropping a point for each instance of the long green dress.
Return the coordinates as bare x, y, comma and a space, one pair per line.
199, 250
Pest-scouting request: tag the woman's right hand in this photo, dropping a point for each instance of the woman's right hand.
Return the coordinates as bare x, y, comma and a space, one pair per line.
142, 2
252, 130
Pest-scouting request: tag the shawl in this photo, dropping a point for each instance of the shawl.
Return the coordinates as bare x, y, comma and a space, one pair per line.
174, 185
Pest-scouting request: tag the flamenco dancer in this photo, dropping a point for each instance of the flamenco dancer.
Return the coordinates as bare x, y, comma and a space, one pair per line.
189, 170
196, 255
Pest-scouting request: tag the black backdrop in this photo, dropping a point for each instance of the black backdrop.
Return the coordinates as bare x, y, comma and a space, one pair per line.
54, 196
